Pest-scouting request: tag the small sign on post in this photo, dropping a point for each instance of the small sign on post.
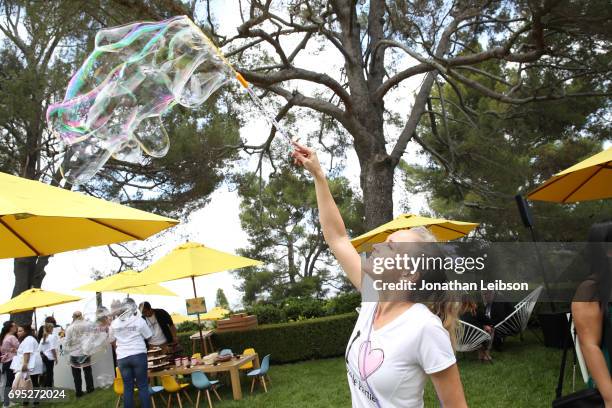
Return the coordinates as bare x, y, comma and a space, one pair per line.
196, 306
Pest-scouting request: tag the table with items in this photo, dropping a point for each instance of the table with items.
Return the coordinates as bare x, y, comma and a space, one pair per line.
212, 363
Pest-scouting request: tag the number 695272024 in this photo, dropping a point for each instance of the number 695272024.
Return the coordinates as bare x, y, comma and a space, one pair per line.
39, 394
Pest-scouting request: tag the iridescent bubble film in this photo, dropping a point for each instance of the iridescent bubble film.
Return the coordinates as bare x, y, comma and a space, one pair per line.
88, 338
114, 103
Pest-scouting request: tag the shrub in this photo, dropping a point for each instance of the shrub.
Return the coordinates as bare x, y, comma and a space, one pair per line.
187, 326
267, 313
343, 303
303, 308
289, 342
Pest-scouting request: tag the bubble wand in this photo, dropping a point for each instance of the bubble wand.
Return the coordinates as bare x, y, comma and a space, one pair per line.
270, 118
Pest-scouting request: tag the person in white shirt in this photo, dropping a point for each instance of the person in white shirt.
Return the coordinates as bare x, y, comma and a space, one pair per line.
28, 358
129, 331
161, 325
48, 346
396, 343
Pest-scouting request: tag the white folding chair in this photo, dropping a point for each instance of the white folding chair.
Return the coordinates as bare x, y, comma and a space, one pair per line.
469, 337
516, 322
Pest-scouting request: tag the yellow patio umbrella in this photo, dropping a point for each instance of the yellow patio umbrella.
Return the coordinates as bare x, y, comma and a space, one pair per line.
591, 179
190, 260
178, 318
444, 230
126, 282
33, 299
38, 219
154, 289
216, 313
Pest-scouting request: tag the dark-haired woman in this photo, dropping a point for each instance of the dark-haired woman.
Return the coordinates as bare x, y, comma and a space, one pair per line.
28, 358
49, 343
591, 303
8, 349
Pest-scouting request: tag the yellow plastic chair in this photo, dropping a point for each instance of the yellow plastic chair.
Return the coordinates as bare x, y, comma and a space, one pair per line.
197, 355
248, 365
118, 388
171, 386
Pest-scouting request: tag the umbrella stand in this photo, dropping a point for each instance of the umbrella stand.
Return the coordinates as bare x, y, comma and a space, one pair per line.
35, 323
195, 294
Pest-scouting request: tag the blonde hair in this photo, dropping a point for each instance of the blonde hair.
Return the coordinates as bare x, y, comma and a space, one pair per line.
445, 308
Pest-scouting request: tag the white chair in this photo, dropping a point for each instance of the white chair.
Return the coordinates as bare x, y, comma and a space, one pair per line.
469, 337
516, 322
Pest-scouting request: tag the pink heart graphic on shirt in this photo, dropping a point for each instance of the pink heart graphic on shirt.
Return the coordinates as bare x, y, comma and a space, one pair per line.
369, 359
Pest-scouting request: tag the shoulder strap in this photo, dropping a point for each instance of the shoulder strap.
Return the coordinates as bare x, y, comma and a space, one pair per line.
566, 344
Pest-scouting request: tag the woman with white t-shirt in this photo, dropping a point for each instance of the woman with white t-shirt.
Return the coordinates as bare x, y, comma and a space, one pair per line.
129, 332
28, 358
49, 343
396, 343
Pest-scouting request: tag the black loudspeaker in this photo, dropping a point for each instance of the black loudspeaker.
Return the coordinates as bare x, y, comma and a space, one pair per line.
523, 207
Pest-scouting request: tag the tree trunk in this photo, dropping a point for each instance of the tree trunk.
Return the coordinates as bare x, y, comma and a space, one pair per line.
29, 273
291, 268
377, 186
99, 300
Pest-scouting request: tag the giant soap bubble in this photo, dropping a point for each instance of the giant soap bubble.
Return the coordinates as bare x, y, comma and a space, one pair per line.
87, 337
113, 104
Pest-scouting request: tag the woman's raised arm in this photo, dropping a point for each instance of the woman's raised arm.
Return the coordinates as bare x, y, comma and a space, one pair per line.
331, 221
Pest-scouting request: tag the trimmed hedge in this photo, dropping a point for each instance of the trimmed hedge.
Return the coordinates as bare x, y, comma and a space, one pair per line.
289, 342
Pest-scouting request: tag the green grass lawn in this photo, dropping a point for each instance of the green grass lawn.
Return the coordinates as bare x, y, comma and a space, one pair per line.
523, 375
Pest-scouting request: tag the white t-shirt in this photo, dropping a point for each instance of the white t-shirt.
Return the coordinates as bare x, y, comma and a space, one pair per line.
158, 335
390, 370
130, 334
46, 347
35, 364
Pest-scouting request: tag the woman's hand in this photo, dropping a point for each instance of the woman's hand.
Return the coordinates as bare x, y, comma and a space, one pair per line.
306, 157
24, 368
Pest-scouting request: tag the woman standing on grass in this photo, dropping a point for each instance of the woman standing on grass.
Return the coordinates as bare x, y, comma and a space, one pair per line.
129, 332
396, 343
8, 349
28, 358
49, 343
592, 311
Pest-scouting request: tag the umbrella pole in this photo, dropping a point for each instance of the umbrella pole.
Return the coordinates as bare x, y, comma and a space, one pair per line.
195, 294
35, 323
525, 213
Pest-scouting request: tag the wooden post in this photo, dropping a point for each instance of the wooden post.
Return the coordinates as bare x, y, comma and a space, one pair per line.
195, 294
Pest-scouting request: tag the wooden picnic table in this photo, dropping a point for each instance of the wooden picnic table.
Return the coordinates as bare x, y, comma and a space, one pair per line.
231, 366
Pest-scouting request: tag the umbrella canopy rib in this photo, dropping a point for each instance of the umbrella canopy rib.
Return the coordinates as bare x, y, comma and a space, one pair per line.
583, 183
20, 238
115, 229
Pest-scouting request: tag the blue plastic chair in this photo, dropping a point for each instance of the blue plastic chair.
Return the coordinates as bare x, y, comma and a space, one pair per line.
226, 352
202, 383
153, 390
260, 373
